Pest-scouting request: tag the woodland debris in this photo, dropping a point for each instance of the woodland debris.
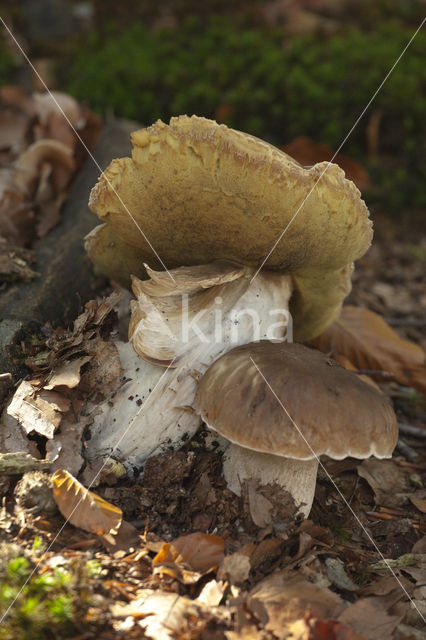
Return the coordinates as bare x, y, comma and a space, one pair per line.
370, 343
19, 463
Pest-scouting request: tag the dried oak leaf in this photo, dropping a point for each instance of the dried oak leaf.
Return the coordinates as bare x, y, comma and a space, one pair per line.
201, 551
371, 344
82, 508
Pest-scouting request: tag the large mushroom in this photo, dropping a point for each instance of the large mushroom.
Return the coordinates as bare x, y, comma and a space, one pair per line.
209, 204
200, 192
282, 406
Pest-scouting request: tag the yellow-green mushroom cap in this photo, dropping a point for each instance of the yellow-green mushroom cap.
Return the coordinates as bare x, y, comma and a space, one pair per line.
200, 192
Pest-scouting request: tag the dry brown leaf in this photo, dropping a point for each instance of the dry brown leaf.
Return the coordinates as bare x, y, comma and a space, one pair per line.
308, 152
419, 503
201, 551
345, 362
388, 481
212, 593
235, 568
82, 508
368, 617
168, 616
13, 438
67, 373
371, 344
313, 629
40, 412
126, 538
64, 450
281, 599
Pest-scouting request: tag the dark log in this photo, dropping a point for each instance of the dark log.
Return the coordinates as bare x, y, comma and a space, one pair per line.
66, 279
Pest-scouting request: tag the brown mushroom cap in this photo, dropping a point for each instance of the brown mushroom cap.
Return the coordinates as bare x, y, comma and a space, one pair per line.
202, 192
338, 414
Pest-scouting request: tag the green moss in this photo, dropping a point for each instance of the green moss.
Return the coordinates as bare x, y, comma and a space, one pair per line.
7, 64
251, 80
51, 603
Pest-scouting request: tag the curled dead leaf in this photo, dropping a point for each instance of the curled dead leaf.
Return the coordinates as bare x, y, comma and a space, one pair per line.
83, 508
201, 551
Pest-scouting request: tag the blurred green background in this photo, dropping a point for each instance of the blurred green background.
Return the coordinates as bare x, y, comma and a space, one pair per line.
277, 69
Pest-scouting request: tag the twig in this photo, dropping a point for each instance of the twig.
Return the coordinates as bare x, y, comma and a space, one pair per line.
407, 451
411, 430
18, 463
373, 372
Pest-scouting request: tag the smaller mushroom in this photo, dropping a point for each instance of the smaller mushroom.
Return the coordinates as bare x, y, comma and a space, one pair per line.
282, 406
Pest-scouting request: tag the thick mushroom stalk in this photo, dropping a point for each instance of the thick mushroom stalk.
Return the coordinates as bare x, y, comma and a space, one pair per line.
180, 325
296, 477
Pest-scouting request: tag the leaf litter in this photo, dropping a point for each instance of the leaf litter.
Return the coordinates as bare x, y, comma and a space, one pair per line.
183, 557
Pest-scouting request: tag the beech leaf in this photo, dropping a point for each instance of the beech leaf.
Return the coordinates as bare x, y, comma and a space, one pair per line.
83, 508
201, 551
371, 344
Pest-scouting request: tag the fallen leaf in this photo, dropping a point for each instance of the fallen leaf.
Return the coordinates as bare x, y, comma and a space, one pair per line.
388, 481
283, 598
126, 538
371, 344
212, 593
168, 616
308, 152
345, 362
312, 629
265, 551
235, 568
368, 617
83, 508
37, 412
67, 373
201, 551
419, 546
419, 503
13, 438
64, 450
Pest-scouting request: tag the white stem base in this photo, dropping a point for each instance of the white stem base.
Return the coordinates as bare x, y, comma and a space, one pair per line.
298, 477
189, 322
149, 414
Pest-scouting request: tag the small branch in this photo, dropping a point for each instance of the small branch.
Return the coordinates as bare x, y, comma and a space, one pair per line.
373, 372
411, 430
12, 464
407, 451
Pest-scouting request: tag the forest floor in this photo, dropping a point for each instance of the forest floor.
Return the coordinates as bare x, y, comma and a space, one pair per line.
188, 561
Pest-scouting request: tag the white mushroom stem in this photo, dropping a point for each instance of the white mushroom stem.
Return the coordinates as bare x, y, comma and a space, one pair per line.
185, 324
297, 477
